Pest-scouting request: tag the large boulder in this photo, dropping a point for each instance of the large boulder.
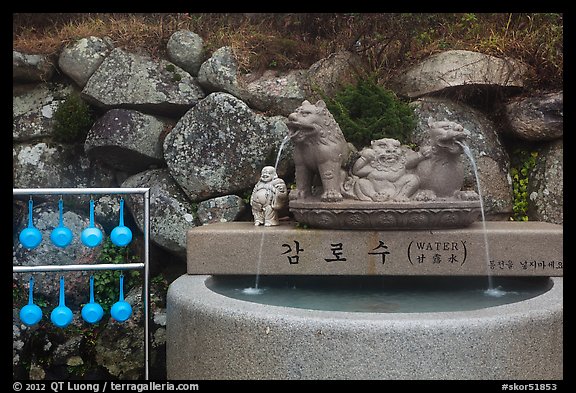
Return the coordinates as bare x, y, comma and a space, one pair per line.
536, 118
171, 213
220, 73
220, 146
132, 81
333, 73
186, 50
55, 165
31, 68
81, 59
126, 140
546, 185
33, 110
43, 165
457, 68
275, 92
221, 209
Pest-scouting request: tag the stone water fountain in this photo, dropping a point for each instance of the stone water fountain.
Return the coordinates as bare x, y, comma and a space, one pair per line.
386, 219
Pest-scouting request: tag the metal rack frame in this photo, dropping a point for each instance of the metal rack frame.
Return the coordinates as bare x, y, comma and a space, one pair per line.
104, 266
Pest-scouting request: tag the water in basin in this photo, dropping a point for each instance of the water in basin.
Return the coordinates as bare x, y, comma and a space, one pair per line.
380, 294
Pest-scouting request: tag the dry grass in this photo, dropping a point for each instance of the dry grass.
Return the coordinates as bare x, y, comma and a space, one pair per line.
388, 42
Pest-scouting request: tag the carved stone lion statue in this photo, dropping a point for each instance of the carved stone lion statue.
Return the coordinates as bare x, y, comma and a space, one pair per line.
320, 149
440, 168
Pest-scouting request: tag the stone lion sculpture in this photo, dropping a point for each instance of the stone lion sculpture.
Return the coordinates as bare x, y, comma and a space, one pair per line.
439, 165
320, 150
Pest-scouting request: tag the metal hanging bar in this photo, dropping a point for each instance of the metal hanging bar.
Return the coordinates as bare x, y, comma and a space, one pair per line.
77, 191
104, 266
75, 268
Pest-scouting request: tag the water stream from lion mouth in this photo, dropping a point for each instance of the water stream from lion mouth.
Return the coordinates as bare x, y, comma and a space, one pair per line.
284, 141
491, 291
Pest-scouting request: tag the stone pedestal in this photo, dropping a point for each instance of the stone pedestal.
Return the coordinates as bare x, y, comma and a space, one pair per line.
514, 248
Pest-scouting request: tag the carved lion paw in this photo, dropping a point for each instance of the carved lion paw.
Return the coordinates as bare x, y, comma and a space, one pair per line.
425, 195
466, 195
331, 196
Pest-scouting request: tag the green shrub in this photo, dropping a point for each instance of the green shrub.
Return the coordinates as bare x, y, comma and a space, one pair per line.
522, 162
72, 120
107, 282
367, 111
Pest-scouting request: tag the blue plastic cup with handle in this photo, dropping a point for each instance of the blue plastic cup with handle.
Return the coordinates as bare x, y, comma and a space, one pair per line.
121, 235
61, 236
91, 236
30, 314
121, 310
92, 312
61, 316
30, 237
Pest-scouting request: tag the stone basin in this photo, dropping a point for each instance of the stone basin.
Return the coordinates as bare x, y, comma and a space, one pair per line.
385, 215
212, 336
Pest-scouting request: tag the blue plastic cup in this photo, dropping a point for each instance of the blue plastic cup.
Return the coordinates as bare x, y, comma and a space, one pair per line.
121, 310
92, 312
30, 237
30, 314
61, 236
91, 236
121, 235
61, 316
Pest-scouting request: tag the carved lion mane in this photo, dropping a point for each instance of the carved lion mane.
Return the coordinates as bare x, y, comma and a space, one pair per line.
314, 122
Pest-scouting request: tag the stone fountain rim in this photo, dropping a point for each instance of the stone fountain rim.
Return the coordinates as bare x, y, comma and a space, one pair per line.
202, 297
520, 340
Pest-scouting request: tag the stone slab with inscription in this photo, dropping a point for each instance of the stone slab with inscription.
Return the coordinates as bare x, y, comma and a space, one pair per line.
514, 249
